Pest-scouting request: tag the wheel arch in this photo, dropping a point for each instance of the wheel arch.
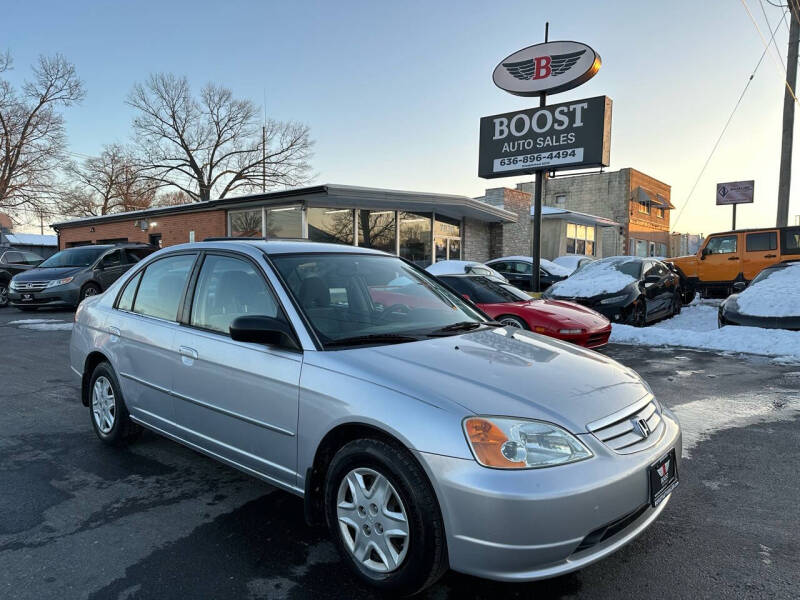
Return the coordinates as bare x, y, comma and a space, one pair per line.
90, 364
331, 442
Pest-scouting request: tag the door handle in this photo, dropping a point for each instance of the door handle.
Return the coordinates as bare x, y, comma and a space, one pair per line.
734, 258
770, 256
187, 352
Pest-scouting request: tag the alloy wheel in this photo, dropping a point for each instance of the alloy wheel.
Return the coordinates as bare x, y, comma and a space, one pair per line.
104, 406
372, 520
511, 322
3, 294
89, 291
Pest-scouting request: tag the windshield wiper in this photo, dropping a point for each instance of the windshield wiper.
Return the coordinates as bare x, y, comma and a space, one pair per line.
374, 338
459, 327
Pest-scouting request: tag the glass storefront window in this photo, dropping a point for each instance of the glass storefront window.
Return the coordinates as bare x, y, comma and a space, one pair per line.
332, 225
377, 229
415, 238
246, 223
580, 239
285, 222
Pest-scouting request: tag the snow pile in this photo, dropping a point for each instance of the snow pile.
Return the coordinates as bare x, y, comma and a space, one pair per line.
599, 277
696, 327
776, 296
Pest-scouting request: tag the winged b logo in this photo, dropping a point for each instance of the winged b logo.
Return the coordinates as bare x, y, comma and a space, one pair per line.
543, 66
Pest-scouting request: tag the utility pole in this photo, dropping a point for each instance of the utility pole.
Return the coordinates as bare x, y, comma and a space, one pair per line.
785, 178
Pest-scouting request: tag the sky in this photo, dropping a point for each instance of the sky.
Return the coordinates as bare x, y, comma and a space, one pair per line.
393, 91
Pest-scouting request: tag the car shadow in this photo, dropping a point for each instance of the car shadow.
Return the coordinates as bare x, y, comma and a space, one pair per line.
264, 549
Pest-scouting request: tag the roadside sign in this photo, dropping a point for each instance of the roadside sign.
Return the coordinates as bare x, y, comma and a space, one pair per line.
571, 135
735, 192
549, 67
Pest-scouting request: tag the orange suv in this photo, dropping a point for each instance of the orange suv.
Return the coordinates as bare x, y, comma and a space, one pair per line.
732, 256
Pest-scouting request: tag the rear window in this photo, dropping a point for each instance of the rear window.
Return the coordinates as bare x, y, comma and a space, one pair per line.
790, 241
760, 242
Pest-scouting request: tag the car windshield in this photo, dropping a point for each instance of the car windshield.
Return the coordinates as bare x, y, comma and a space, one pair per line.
764, 274
354, 299
74, 257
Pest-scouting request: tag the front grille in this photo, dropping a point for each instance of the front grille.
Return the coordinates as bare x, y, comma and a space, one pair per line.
623, 435
597, 339
30, 286
608, 530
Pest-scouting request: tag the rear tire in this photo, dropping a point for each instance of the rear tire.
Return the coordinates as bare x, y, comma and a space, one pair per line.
107, 412
3, 293
512, 321
360, 523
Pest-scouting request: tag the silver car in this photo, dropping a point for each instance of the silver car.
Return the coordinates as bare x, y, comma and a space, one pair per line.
424, 434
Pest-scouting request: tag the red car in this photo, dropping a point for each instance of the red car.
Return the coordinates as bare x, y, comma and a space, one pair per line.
557, 318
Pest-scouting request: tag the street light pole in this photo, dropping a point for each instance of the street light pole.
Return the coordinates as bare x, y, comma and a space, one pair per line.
538, 194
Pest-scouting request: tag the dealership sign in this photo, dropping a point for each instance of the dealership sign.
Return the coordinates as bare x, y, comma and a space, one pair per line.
571, 135
551, 67
735, 192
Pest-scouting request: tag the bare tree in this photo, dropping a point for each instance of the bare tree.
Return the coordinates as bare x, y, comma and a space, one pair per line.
32, 140
212, 145
172, 198
106, 184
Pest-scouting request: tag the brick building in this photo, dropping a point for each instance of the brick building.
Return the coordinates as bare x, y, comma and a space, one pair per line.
422, 227
640, 204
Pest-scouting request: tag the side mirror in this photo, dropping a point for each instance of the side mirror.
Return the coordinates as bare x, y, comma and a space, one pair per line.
260, 329
704, 253
739, 286
466, 297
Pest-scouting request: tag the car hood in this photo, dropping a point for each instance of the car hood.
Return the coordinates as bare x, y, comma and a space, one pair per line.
564, 312
47, 273
502, 371
630, 291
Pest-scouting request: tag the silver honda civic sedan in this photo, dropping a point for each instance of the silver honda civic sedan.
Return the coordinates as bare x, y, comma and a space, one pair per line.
424, 435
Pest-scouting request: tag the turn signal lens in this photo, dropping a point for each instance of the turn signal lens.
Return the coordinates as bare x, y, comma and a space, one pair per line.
507, 443
540, 329
487, 441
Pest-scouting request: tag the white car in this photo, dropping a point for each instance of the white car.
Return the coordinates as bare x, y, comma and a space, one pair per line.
460, 267
573, 262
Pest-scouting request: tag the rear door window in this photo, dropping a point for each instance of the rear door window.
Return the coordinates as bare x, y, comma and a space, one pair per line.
761, 242
128, 294
161, 287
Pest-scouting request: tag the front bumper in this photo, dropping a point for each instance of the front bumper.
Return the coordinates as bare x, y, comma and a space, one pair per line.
61, 295
595, 338
535, 524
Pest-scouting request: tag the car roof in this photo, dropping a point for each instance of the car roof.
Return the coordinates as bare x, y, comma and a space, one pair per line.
274, 247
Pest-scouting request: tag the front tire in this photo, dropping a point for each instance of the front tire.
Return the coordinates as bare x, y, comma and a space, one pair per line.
512, 321
3, 293
639, 316
90, 289
384, 517
107, 412
677, 304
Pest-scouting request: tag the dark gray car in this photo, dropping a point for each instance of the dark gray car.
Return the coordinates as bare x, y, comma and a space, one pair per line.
68, 277
13, 261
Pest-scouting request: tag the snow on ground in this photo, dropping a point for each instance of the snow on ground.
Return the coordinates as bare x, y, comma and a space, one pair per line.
33, 321
696, 327
776, 296
47, 326
599, 277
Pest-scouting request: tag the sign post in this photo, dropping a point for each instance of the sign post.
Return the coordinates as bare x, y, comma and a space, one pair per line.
733, 193
571, 135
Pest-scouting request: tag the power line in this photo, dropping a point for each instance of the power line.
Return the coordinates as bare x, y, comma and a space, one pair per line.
724, 129
769, 26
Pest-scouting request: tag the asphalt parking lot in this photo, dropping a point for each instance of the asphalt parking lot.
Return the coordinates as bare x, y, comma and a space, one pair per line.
80, 520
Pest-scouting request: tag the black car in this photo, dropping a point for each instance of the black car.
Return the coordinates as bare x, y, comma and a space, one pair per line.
69, 276
766, 295
518, 269
626, 289
12, 262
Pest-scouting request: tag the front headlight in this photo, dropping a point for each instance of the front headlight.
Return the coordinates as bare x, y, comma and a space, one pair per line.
504, 443
56, 282
613, 299
12, 285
